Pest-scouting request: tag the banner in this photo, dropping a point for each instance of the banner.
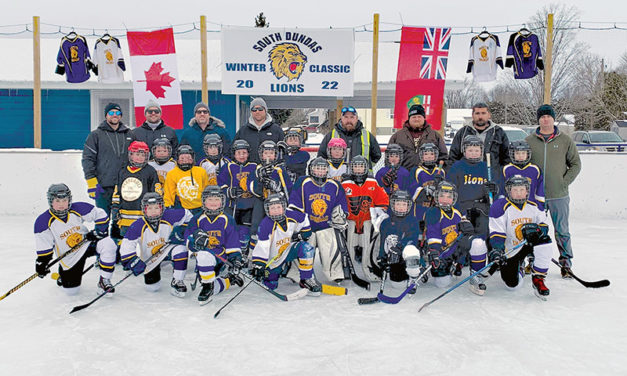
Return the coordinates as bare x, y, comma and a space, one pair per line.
155, 75
421, 73
268, 61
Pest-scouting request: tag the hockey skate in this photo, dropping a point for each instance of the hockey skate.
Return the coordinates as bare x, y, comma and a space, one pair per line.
539, 288
104, 285
415, 282
206, 293
178, 288
315, 289
476, 285
235, 279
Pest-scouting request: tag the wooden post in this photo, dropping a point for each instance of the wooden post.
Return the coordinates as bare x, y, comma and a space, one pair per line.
375, 65
203, 59
338, 110
548, 59
36, 84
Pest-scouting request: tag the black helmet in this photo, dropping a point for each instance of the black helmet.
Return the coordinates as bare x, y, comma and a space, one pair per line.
393, 149
519, 146
59, 191
151, 198
275, 198
428, 148
400, 196
319, 170
185, 149
359, 161
212, 139
161, 142
213, 191
240, 144
294, 132
517, 181
472, 140
267, 145
447, 188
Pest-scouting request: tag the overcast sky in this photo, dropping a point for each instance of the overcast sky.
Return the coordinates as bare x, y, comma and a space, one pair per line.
115, 14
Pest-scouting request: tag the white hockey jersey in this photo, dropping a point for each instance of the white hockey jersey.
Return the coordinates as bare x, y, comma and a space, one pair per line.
109, 60
485, 56
54, 235
336, 173
163, 169
213, 169
506, 220
274, 241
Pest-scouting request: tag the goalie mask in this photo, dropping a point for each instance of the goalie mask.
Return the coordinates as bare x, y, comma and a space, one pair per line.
319, 170
395, 153
336, 150
268, 152
520, 153
59, 192
446, 195
213, 200
359, 169
275, 206
239, 146
185, 157
428, 154
517, 189
152, 208
212, 145
400, 204
161, 150
138, 154
469, 153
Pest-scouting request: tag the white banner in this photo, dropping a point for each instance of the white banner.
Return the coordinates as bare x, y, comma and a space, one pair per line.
277, 61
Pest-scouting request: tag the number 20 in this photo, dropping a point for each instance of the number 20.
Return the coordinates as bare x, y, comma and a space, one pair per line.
241, 84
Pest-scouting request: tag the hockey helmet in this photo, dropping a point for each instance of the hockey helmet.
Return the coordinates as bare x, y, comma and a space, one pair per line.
445, 190
149, 199
393, 150
519, 146
426, 149
59, 191
161, 142
213, 191
517, 181
138, 148
400, 203
274, 199
336, 143
212, 140
319, 170
472, 140
181, 150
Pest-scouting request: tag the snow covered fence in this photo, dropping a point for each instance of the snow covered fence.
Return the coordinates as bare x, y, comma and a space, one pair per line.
598, 192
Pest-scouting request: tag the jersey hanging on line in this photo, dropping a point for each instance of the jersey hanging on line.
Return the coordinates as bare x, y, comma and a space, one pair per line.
109, 60
485, 56
73, 59
524, 55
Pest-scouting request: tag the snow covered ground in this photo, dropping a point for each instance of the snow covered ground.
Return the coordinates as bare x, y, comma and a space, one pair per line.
578, 331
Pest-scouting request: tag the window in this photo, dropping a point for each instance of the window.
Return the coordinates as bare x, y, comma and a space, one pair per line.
100, 99
391, 114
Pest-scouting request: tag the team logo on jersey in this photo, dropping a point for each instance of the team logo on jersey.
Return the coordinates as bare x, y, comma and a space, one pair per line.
131, 189
286, 60
319, 207
526, 47
109, 56
74, 54
213, 179
186, 189
450, 237
213, 242
74, 239
483, 51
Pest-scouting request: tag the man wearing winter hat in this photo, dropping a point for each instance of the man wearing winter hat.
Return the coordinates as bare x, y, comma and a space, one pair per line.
557, 156
259, 128
201, 125
416, 132
154, 127
105, 152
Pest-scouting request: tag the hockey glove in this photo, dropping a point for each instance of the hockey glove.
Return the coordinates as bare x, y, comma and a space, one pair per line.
394, 256
429, 190
94, 190
201, 239
389, 177
41, 265
234, 192
466, 227
434, 258
136, 265
96, 234
491, 187
115, 214
297, 237
236, 263
258, 271
497, 254
532, 233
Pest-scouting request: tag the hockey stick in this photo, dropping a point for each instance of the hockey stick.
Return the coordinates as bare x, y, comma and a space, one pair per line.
519, 245
83, 306
589, 284
35, 275
394, 300
363, 301
339, 237
215, 315
489, 162
293, 296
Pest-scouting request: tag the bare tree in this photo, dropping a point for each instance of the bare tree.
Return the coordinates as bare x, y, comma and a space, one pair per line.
466, 96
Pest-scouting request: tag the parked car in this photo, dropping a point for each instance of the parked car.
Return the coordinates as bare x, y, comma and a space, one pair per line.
514, 134
599, 140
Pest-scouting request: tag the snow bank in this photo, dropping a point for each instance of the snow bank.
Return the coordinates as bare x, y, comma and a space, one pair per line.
27, 173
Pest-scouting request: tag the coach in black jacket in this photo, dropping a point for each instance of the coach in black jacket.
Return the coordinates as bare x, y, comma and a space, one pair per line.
259, 128
153, 127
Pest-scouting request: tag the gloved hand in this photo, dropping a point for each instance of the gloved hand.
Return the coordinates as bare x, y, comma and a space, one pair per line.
497, 254
236, 263
491, 187
258, 271
429, 190
394, 256
389, 177
234, 192
96, 234
434, 258
136, 265
41, 265
201, 239
532, 233
466, 227
272, 185
94, 190
115, 214
297, 237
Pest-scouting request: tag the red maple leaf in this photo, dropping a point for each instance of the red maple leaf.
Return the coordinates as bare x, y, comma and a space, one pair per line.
155, 81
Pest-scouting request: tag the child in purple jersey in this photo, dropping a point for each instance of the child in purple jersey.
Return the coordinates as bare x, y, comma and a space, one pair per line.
213, 234
520, 154
423, 180
295, 159
234, 181
393, 176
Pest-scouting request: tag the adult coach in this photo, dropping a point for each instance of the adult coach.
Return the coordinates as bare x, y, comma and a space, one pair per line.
153, 127
259, 128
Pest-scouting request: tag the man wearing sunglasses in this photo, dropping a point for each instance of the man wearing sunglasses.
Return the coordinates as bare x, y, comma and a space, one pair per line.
105, 152
358, 139
154, 127
201, 125
259, 128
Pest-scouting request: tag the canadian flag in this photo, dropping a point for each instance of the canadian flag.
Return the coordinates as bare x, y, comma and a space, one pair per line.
155, 75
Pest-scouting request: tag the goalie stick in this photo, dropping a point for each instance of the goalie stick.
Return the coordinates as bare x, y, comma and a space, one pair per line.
346, 258
589, 284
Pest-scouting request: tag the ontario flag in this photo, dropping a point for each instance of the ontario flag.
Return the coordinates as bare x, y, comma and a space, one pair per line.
421, 73
155, 75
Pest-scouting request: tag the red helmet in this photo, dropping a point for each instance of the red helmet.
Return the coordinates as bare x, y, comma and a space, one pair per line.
138, 147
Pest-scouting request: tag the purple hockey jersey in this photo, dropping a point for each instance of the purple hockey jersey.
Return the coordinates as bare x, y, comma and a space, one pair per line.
238, 175
73, 59
524, 54
536, 181
318, 201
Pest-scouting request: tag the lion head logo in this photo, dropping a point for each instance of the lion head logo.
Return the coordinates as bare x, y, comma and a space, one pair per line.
319, 207
213, 242
286, 60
